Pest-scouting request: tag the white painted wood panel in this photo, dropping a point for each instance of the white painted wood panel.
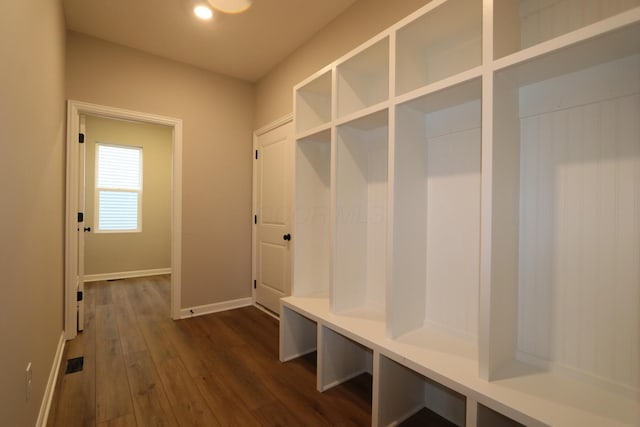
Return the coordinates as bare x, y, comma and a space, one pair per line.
579, 263
436, 248
340, 359
537, 21
312, 216
298, 334
407, 290
445, 42
313, 103
377, 220
363, 80
405, 392
453, 232
359, 280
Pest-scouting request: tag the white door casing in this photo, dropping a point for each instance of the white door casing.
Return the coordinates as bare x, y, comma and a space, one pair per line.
73, 181
273, 214
81, 208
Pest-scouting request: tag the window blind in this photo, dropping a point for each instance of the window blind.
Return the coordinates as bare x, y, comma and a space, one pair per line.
118, 187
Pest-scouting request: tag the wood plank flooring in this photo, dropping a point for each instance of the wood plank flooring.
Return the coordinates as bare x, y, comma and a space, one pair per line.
143, 369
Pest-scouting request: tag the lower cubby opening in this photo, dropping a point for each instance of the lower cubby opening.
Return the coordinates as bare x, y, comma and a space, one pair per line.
298, 334
341, 359
407, 396
487, 417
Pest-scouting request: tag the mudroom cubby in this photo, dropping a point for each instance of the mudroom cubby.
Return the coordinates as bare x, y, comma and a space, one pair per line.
404, 392
472, 239
363, 80
434, 285
441, 43
298, 335
341, 359
359, 267
313, 103
566, 173
520, 24
312, 215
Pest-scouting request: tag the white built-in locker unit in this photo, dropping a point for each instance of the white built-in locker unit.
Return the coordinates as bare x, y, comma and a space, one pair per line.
467, 215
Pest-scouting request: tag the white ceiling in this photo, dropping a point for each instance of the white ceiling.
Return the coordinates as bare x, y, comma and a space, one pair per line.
245, 45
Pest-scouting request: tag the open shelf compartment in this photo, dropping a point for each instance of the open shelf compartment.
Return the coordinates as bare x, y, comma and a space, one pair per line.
363, 80
313, 103
434, 290
443, 42
298, 334
564, 289
403, 392
519, 24
359, 279
340, 359
312, 216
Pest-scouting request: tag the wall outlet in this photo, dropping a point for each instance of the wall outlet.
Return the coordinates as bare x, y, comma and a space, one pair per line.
28, 377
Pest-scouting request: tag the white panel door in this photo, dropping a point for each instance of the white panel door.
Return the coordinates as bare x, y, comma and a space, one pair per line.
273, 222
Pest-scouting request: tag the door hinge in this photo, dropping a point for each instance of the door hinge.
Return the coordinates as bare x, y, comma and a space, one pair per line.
255, 219
254, 284
81, 138
79, 296
256, 154
80, 217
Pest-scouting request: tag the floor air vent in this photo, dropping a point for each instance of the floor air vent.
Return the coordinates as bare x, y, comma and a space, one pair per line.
74, 365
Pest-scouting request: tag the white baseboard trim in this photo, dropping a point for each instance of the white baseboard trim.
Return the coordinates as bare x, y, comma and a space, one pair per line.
201, 310
45, 406
267, 311
125, 274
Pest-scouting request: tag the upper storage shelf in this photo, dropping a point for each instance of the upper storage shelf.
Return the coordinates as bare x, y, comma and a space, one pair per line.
445, 41
519, 24
363, 80
313, 103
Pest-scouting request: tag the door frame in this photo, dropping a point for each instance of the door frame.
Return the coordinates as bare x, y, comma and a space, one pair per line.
74, 110
254, 197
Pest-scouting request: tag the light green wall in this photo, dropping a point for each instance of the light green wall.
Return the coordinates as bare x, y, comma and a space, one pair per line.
150, 248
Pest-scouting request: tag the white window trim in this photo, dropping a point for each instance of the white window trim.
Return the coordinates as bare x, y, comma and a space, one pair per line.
96, 198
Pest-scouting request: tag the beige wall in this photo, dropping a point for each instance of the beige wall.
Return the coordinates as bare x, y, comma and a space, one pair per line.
363, 20
151, 247
32, 126
217, 114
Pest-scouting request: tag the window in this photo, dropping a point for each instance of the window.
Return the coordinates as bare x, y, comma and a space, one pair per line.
118, 188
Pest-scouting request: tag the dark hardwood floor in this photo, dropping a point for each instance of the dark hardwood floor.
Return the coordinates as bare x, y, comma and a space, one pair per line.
143, 369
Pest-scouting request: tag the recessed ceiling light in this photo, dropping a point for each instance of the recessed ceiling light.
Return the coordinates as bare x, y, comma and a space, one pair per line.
203, 12
230, 6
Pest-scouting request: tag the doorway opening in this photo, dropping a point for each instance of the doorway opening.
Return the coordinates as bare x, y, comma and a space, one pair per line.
74, 234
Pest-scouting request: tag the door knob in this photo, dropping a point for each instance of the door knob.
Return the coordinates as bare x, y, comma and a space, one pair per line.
287, 237
87, 229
